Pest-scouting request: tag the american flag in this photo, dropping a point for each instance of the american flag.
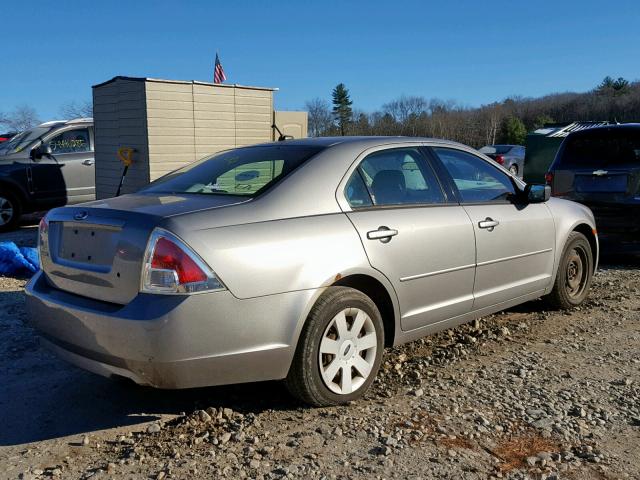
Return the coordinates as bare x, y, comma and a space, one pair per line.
218, 72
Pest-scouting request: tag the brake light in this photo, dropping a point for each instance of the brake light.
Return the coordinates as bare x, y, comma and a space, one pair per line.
172, 267
548, 178
500, 159
43, 231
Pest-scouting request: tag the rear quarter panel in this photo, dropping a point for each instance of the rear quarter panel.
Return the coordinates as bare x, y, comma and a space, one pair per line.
277, 256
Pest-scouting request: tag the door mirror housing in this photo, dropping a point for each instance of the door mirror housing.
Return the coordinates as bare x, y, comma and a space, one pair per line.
40, 151
537, 193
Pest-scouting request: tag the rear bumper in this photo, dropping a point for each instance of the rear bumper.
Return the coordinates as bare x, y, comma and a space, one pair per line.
172, 341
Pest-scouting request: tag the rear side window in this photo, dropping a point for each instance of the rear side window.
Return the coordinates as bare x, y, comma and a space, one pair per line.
601, 148
394, 177
242, 171
71, 141
476, 180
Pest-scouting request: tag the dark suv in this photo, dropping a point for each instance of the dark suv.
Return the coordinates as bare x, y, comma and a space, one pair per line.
600, 167
47, 166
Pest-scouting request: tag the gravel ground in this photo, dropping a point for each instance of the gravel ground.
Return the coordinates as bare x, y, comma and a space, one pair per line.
526, 393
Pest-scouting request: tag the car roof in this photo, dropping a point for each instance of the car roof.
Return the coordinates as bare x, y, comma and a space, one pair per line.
617, 126
365, 141
60, 123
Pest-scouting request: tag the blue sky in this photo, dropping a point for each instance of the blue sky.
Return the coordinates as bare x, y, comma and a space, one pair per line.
473, 51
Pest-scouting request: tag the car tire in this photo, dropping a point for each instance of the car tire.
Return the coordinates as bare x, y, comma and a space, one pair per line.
10, 211
334, 364
575, 272
513, 169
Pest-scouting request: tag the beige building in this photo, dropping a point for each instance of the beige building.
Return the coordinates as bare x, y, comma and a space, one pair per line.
171, 123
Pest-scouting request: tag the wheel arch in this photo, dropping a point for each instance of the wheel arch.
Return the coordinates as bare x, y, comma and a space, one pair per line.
379, 294
16, 189
589, 232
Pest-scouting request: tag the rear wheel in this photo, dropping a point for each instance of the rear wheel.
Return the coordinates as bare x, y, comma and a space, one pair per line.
339, 351
575, 273
10, 210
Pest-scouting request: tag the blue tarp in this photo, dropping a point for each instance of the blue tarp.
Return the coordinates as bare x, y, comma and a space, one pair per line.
16, 260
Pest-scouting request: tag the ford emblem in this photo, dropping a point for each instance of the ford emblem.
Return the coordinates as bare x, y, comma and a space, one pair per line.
81, 215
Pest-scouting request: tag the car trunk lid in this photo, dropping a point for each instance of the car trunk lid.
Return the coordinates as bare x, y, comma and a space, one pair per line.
96, 250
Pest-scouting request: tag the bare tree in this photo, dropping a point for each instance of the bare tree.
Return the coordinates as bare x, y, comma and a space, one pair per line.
76, 109
320, 117
21, 118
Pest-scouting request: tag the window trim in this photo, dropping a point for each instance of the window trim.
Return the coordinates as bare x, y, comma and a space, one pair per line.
423, 162
517, 185
69, 128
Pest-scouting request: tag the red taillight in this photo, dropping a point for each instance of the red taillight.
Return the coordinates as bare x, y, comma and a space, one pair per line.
172, 267
168, 256
500, 159
43, 225
548, 178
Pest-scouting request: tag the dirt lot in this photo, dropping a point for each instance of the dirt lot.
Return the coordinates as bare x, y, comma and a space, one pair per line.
527, 393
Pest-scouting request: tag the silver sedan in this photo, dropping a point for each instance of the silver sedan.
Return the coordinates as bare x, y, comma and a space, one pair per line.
301, 260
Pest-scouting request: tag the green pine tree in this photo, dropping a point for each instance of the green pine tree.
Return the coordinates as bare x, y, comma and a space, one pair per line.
342, 107
513, 131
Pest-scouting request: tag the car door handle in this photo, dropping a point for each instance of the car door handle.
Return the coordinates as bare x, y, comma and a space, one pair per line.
88, 162
488, 223
383, 234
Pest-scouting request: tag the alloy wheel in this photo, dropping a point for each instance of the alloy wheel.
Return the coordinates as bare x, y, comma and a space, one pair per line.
347, 351
576, 272
6, 211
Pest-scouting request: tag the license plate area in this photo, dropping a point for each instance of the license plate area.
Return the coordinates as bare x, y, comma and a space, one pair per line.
87, 244
608, 183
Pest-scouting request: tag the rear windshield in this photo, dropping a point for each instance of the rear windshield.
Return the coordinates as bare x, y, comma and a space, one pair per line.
242, 172
502, 149
602, 148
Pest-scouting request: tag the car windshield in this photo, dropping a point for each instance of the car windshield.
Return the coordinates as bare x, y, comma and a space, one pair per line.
242, 172
602, 148
22, 140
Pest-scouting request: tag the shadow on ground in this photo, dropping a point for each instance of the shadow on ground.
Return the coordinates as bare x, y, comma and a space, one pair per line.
43, 397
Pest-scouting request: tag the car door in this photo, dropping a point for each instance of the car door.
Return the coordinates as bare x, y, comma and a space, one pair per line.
68, 174
413, 233
515, 241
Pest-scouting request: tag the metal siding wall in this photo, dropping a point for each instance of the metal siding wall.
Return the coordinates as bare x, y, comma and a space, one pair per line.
170, 125
215, 119
120, 121
254, 115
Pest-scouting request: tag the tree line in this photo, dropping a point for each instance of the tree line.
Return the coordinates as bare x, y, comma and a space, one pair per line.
507, 121
25, 116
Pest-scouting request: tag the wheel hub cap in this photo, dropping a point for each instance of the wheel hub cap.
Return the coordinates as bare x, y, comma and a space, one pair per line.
6, 211
347, 351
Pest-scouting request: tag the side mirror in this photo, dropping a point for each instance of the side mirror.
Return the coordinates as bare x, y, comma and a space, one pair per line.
537, 193
40, 151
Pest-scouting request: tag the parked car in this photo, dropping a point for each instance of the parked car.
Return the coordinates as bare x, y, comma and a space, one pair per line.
300, 260
47, 166
6, 136
509, 156
600, 168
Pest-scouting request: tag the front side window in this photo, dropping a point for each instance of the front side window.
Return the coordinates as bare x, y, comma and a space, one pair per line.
394, 177
243, 171
70, 141
475, 179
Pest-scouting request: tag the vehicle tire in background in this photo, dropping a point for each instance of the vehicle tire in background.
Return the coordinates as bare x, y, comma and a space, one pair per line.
575, 273
339, 351
10, 210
